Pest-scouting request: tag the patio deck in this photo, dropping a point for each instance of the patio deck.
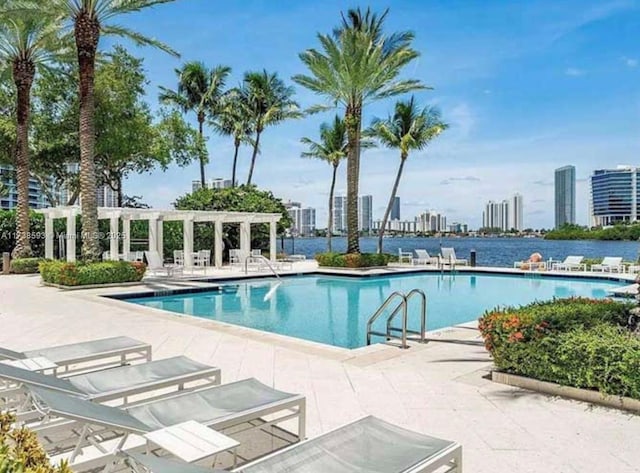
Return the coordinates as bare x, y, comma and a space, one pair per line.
439, 388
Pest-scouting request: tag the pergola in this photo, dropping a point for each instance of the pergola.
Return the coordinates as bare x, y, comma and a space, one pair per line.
156, 218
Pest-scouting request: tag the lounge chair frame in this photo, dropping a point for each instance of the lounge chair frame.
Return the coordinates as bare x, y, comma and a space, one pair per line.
108, 358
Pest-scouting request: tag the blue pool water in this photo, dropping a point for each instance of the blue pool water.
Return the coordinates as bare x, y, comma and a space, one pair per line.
335, 310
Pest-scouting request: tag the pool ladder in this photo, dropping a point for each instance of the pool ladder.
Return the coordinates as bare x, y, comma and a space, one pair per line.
402, 307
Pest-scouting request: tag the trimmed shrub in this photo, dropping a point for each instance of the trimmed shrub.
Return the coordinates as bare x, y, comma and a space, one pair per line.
25, 265
83, 274
577, 342
354, 260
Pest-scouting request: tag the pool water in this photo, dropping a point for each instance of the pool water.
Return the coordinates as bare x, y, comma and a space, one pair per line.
335, 310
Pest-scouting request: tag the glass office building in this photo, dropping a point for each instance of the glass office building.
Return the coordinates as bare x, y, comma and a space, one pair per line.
614, 195
565, 203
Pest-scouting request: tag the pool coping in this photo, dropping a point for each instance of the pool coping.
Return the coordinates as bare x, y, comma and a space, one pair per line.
218, 282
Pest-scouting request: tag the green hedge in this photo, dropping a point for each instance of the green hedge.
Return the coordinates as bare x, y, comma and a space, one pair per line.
574, 342
354, 260
25, 265
83, 274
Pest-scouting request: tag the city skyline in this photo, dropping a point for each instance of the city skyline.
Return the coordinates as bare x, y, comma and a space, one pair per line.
543, 58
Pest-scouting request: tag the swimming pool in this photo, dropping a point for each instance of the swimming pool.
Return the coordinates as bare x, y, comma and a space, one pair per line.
334, 310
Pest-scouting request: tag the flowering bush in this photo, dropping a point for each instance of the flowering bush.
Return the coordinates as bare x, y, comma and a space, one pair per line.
577, 342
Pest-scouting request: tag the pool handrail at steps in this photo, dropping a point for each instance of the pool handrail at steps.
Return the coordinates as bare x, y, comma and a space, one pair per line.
402, 306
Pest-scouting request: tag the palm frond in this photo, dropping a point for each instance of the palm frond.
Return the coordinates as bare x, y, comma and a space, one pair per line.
138, 38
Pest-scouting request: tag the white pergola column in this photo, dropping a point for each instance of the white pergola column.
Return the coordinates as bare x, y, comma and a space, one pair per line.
217, 246
273, 235
187, 241
48, 237
126, 236
160, 239
113, 238
245, 239
153, 234
71, 237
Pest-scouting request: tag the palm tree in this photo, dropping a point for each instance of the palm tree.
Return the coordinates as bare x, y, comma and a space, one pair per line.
270, 102
200, 90
408, 129
331, 149
358, 65
234, 120
28, 41
89, 20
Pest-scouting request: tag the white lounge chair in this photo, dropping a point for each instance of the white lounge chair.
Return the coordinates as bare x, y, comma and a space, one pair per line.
73, 428
570, 263
610, 264
235, 257
155, 265
423, 257
119, 383
86, 356
367, 445
405, 257
448, 256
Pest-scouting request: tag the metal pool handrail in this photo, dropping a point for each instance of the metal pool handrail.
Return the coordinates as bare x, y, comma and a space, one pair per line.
402, 306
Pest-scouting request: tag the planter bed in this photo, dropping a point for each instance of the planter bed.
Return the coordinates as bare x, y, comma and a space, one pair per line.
91, 286
585, 395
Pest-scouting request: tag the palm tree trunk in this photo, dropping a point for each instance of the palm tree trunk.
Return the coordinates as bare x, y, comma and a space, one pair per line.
236, 144
253, 157
394, 191
201, 132
87, 34
23, 73
353, 119
330, 220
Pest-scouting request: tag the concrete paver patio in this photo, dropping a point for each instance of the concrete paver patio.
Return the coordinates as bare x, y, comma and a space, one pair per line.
439, 388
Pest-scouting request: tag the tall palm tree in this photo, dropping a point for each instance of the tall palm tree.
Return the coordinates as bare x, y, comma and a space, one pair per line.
332, 149
234, 120
358, 65
270, 102
28, 41
200, 90
89, 20
408, 129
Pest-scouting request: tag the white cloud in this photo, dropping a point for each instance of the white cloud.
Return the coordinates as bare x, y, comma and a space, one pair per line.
630, 62
573, 71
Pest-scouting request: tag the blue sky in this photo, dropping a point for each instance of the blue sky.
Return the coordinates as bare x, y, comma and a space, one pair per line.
526, 87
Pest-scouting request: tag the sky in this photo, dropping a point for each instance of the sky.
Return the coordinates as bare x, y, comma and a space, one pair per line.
526, 87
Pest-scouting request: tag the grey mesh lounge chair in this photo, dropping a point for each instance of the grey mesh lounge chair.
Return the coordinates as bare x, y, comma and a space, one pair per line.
448, 257
116, 383
243, 405
369, 445
90, 355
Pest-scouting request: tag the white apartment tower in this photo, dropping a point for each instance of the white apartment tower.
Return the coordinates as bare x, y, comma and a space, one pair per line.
505, 215
365, 213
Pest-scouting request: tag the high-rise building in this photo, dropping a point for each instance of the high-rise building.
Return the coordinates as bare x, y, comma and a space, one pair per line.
395, 209
216, 183
515, 213
106, 196
37, 197
565, 203
303, 218
365, 213
506, 215
339, 214
431, 221
614, 195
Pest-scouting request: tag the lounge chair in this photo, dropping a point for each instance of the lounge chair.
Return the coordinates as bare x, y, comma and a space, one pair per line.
116, 383
91, 355
609, 264
448, 256
423, 257
405, 257
367, 445
247, 403
155, 264
570, 263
